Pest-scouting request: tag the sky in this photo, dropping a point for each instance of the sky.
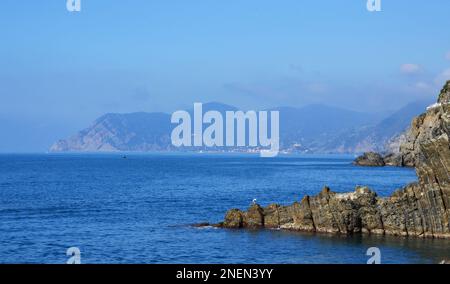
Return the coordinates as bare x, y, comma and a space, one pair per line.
61, 70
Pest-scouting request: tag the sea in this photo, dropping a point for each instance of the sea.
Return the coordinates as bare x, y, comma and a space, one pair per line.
140, 208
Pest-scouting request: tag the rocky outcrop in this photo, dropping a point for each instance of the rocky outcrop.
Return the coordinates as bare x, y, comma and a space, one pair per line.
370, 159
327, 212
420, 209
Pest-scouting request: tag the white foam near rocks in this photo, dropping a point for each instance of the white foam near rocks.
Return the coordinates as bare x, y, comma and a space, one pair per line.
353, 195
346, 196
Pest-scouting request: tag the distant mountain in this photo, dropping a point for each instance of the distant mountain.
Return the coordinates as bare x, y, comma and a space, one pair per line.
121, 132
381, 137
141, 132
313, 128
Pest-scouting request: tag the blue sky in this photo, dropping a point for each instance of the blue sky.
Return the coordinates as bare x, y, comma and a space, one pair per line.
61, 70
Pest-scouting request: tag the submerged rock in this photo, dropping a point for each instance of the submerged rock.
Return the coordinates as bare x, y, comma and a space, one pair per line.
201, 225
420, 209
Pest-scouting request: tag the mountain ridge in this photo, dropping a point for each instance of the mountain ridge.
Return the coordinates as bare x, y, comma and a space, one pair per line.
314, 128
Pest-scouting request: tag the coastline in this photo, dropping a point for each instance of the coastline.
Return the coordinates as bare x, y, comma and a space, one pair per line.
420, 209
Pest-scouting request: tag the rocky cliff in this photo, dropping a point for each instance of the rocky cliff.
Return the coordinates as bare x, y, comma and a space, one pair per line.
419, 209
423, 128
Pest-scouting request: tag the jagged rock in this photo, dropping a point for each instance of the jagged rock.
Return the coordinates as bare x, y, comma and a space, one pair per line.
420, 209
275, 215
254, 217
423, 128
370, 159
444, 96
233, 219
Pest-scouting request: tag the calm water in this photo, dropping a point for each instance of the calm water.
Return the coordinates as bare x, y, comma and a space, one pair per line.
138, 210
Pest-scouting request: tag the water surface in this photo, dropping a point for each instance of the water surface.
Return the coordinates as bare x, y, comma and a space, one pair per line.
138, 209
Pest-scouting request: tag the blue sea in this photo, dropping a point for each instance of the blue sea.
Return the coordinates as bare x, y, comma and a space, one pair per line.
139, 209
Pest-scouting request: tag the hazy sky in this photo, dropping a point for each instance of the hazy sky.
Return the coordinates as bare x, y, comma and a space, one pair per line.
61, 70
